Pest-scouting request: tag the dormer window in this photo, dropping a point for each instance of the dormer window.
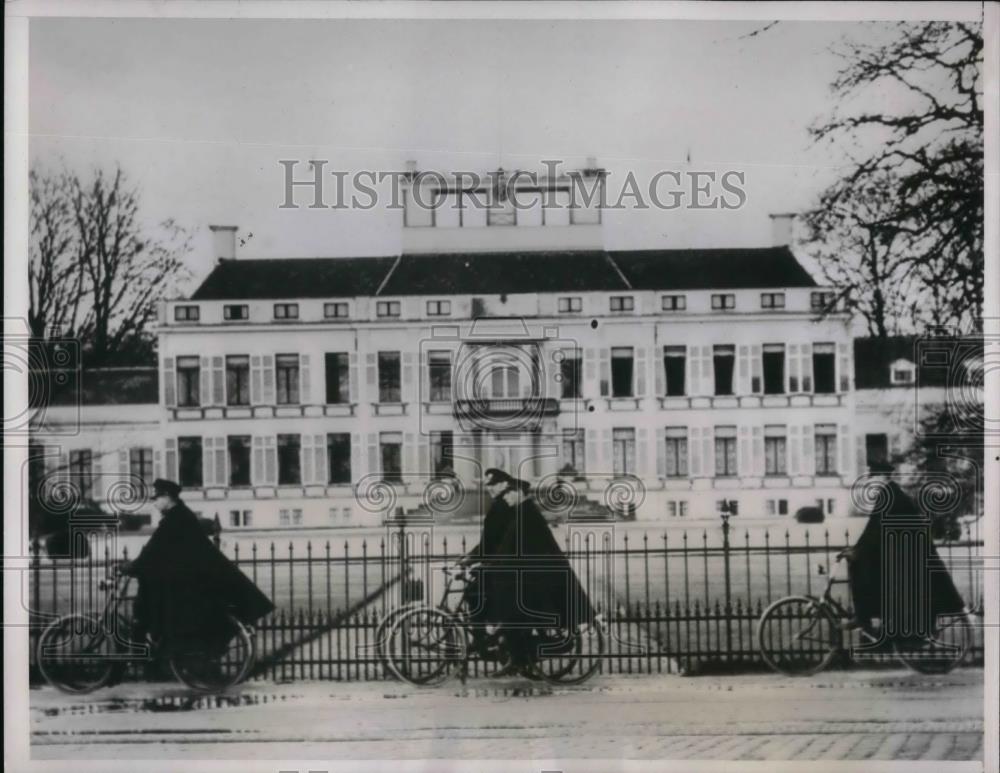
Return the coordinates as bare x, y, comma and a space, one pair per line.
622, 303
821, 300
187, 313
674, 303
772, 300
335, 310
723, 301
438, 308
902, 372
286, 311
387, 308
235, 311
571, 305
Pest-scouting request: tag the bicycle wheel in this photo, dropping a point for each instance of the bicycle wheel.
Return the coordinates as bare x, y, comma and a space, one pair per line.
563, 656
942, 652
382, 632
798, 636
76, 655
425, 645
212, 669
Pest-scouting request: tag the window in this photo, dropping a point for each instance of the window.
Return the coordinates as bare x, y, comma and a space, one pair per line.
289, 460
439, 376
824, 368
338, 458
774, 369
391, 448
239, 518
442, 454
438, 308
676, 452
822, 300
724, 363
775, 462
286, 369
505, 381
335, 311
187, 313
501, 212
238, 380
290, 516
573, 461
902, 372
732, 504
81, 471
571, 375
622, 303
622, 366
337, 378
826, 449
876, 449
387, 308
389, 390
723, 301
674, 365
674, 302
777, 506
239, 459
677, 507
772, 300
188, 382
286, 311
570, 305
235, 311
189, 461
623, 450
140, 467
725, 452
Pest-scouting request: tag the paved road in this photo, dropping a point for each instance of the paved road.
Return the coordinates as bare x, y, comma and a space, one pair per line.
843, 716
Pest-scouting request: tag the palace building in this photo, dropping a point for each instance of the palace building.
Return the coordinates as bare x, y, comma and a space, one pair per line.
297, 392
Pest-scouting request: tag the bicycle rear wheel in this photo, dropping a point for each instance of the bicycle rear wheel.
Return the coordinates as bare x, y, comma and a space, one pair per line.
76, 655
564, 656
425, 645
942, 652
212, 669
798, 636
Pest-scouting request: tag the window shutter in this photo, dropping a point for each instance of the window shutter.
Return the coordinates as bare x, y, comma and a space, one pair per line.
807, 368
745, 458
169, 383
96, 470
305, 382
256, 381
270, 460
205, 378
743, 371
353, 377
552, 375
843, 443
756, 364
640, 372
207, 462
319, 459
218, 381
589, 371
794, 454
371, 379
170, 459
267, 366
694, 450
845, 368
357, 467
707, 371
592, 451
758, 451
808, 466
158, 465
409, 453
123, 466
862, 453
794, 369
423, 455
409, 383
607, 451
694, 370
307, 460
259, 475
642, 452
374, 468
661, 453
221, 471
605, 371
708, 451
659, 372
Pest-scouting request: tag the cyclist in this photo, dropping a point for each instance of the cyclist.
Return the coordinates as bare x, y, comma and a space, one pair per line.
185, 582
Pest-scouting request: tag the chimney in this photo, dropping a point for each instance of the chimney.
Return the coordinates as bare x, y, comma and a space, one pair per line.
224, 241
781, 228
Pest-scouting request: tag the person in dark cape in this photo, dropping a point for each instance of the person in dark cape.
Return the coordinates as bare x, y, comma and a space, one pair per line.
186, 584
538, 589
866, 564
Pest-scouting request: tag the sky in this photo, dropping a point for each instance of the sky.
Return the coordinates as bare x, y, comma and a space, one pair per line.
199, 112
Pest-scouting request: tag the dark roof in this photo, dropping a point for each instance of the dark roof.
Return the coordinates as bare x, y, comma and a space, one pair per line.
505, 272
723, 269
939, 361
98, 386
293, 278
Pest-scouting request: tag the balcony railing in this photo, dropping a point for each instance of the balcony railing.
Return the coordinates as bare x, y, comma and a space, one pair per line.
507, 406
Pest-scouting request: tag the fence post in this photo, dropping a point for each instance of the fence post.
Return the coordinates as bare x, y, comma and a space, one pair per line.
725, 514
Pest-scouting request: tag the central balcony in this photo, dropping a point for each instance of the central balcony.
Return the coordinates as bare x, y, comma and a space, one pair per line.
507, 413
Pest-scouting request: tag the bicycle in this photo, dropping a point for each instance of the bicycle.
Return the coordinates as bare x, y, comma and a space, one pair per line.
426, 645
801, 635
80, 653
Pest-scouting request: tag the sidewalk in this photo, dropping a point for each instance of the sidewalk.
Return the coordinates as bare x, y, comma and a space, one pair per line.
838, 715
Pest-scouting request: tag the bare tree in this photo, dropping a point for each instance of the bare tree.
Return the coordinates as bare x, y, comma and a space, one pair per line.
913, 102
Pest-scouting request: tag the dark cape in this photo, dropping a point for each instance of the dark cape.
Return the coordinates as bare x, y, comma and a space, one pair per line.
186, 585
478, 597
532, 580
914, 563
